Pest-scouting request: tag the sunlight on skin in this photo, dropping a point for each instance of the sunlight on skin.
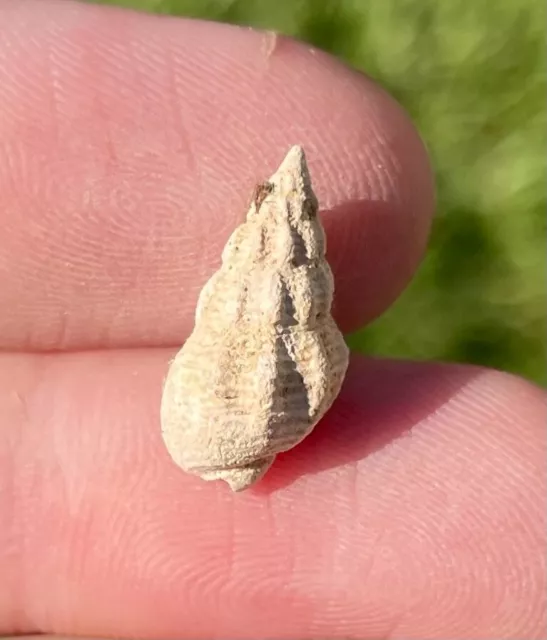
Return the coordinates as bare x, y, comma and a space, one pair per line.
127, 144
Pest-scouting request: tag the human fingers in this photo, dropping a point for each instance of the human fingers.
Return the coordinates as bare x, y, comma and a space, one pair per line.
129, 146
415, 510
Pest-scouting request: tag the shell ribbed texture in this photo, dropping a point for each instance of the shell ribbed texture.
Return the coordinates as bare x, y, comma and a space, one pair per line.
265, 359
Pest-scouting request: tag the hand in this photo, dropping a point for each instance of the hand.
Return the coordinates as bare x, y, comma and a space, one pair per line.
129, 146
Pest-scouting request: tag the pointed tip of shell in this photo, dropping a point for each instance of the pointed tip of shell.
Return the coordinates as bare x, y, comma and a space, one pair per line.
294, 162
295, 157
293, 173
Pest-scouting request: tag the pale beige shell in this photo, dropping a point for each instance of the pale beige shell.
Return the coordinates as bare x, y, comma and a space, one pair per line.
265, 359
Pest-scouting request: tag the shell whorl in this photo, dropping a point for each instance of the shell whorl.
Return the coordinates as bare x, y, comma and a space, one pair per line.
265, 359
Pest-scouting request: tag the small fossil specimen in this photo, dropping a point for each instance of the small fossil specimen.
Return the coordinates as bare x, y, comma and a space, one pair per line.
265, 359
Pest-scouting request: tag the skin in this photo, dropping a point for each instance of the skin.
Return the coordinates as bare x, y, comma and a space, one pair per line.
128, 149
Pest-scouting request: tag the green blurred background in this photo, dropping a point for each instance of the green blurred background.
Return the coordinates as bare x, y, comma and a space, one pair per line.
472, 75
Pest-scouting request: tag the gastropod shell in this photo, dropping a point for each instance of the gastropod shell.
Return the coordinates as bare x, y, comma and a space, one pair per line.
265, 359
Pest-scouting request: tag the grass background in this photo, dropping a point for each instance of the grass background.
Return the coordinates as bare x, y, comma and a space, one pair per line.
472, 75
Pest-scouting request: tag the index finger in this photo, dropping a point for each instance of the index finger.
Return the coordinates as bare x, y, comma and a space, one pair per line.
129, 146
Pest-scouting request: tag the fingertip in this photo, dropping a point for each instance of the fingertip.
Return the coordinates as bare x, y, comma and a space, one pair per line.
131, 146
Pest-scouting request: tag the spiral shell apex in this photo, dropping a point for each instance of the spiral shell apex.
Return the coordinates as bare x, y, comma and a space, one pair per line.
265, 359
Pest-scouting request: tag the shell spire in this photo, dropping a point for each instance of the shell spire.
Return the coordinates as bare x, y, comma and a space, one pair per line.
293, 172
265, 360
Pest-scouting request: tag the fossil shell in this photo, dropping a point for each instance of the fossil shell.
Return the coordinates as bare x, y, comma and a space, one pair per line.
265, 359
